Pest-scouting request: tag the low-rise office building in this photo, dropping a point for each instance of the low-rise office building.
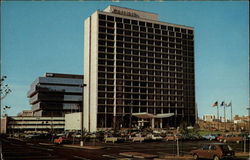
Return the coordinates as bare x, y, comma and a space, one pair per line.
56, 94
25, 113
23, 124
209, 117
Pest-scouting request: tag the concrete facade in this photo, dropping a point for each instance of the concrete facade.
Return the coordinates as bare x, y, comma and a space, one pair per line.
135, 63
35, 124
73, 121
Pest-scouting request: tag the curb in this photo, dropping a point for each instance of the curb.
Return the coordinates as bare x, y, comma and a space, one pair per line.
84, 147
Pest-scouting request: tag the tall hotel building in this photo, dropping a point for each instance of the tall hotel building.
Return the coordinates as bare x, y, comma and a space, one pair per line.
137, 67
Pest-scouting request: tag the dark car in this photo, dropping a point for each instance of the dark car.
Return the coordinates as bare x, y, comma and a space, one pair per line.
215, 151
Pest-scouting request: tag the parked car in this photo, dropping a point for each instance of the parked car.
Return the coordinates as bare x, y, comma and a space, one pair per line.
210, 136
76, 135
61, 140
232, 138
154, 137
172, 137
215, 151
32, 136
220, 138
192, 137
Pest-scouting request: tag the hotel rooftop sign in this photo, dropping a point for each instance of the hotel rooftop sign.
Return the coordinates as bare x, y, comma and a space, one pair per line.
131, 12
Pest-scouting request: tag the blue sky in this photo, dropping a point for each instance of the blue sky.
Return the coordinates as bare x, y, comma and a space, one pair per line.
39, 37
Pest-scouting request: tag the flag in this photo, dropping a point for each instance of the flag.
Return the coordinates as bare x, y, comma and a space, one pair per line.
230, 104
6, 107
222, 103
215, 104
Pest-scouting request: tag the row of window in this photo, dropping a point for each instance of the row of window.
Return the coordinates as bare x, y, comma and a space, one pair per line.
133, 82
187, 90
128, 30
157, 43
144, 72
145, 48
135, 37
141, 84
131, 89
145, 69
112, 19
179, 96
148, 63
144, 77
141, 68
141, 103
134, 55
167, 47
150, 78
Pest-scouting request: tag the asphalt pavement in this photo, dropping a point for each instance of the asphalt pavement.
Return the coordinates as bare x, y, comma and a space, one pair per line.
16, 149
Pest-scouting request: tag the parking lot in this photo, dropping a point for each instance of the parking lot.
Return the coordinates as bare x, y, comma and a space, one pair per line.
16, 149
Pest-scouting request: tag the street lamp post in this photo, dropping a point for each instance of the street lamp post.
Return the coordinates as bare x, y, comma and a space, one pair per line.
248, 131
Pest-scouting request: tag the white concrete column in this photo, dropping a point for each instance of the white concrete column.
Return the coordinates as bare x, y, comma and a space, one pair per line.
153, 123
161, 123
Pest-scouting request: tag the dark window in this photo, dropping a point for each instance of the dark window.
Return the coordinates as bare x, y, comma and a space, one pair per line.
165, 32
190, 32
143, 29
170, 28
110, 18
163, 27
134, 22
117, 19
110, 37
102, 36
135, 28
127, 39
177, 29
151, 30
102, 23
171, 33
135, 33
183, 30
149, 24
158, 31
101, 16
126, 21
127, 26
119, 25
156, 26
142, 23
109, 24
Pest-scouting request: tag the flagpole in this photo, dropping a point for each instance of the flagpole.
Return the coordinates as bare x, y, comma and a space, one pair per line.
231, 111
225, 118
218, 118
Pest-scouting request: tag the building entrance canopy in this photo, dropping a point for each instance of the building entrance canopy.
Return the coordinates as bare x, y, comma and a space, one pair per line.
146, 115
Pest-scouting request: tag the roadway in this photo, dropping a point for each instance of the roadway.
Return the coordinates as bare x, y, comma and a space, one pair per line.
16, 149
